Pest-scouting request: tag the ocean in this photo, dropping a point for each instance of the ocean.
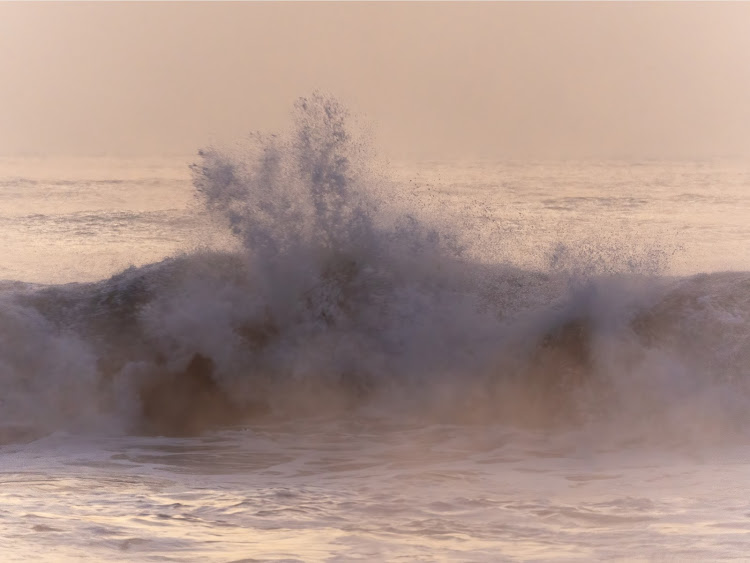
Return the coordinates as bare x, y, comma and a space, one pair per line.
290, 349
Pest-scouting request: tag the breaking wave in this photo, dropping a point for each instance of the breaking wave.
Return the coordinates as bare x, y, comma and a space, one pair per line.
339, 296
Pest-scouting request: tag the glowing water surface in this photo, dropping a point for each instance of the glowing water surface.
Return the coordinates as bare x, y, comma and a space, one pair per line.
364, 490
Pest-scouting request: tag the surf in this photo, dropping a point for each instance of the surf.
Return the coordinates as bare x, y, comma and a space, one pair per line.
336, 295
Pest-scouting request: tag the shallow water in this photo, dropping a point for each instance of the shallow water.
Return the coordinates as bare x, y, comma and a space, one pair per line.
360, 490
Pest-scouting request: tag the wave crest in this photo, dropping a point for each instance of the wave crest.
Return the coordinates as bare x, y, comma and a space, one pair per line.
338, 298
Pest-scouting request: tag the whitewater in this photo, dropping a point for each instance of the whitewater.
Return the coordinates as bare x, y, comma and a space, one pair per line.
290, 349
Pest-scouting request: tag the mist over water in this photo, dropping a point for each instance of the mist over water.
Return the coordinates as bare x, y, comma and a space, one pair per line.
323, 327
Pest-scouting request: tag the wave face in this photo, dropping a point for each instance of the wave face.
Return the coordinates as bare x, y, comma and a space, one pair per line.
338, 298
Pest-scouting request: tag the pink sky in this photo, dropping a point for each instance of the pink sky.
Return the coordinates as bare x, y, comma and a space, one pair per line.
446, 80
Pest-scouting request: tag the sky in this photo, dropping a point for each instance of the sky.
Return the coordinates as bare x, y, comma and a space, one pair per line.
434, 80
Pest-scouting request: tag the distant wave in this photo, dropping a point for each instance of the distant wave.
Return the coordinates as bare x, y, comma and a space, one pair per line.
338, 299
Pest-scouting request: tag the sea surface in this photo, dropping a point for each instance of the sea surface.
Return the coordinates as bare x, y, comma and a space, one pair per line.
293, 350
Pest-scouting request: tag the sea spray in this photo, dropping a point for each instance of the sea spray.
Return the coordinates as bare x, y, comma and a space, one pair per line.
337, 297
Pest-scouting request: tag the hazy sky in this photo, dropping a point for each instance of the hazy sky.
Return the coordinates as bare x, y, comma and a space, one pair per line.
491, 80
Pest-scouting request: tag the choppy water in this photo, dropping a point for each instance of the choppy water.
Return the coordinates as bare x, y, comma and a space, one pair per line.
343, 360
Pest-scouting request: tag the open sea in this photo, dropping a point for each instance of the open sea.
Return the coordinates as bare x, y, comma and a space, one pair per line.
291, 350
